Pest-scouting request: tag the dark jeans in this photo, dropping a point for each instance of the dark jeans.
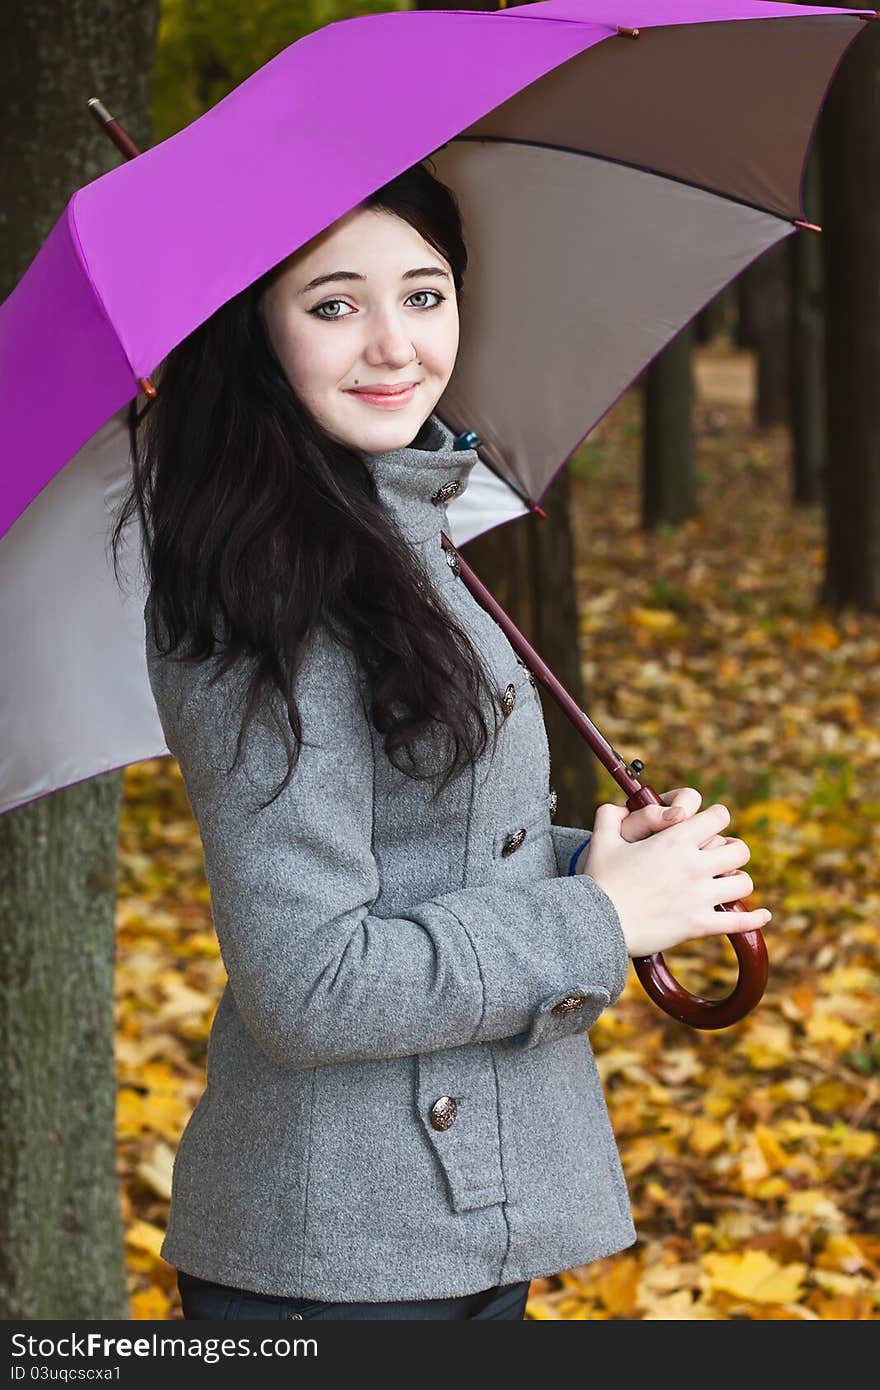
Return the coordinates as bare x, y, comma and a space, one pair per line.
202, 1299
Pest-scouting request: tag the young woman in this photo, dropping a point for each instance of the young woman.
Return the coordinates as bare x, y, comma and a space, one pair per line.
402, 1114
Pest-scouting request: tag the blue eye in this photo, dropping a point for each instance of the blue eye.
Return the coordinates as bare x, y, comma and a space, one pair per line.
329, 318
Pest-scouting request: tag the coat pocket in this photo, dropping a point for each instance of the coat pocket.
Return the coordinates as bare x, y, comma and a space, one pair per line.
457, 1097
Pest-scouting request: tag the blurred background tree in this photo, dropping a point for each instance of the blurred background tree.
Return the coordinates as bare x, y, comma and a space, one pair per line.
207, 47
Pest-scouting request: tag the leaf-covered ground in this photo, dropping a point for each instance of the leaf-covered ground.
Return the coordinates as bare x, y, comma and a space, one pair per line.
751, 1154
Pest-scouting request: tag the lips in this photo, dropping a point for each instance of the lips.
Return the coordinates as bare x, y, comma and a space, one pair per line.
380, 398
383, 390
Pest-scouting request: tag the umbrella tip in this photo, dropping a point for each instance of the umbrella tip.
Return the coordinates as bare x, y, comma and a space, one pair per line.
99, 110
807, 226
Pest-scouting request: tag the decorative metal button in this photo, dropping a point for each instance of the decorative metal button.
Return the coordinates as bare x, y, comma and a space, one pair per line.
508, 700
553, 800
513, 841
453, 562
448, 490
443, 1112
295, 1317
569, 1004
533, 680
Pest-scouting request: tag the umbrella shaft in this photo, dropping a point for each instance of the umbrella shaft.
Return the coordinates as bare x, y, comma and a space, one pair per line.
607, 755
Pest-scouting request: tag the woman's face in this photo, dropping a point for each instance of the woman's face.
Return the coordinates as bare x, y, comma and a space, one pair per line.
374, 323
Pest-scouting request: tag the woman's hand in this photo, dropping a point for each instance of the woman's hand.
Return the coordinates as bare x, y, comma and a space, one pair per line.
665, 887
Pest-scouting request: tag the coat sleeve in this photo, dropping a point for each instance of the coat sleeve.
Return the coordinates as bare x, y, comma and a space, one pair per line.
316, 975
566, 839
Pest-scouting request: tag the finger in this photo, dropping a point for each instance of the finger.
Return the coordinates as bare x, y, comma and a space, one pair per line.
608, 818
675, 806
688, 798
729, 923
700, 827
729, 888
731, 854
641, 824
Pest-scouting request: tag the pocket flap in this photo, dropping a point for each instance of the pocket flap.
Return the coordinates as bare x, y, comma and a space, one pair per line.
459, 1086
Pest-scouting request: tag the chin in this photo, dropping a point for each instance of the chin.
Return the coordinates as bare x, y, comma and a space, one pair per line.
385, 431
395, 435
393, 429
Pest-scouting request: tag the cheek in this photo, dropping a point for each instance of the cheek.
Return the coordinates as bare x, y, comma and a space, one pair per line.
448, 342
443, 359
312, 360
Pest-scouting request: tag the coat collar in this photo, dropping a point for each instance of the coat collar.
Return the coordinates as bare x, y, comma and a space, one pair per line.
418, 481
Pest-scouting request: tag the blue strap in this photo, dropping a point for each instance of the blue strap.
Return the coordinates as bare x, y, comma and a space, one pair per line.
574, 857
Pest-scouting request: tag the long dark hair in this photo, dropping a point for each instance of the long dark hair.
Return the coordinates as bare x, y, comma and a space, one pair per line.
249, 511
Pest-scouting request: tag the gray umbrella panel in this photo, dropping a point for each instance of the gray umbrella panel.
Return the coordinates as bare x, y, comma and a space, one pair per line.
607, 203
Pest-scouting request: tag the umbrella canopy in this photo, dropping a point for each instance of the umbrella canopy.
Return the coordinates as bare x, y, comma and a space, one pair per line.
615, 165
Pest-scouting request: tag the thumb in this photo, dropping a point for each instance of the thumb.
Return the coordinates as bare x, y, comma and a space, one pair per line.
647, 820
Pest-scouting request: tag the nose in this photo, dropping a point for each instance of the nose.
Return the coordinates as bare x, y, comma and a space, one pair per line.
390, 340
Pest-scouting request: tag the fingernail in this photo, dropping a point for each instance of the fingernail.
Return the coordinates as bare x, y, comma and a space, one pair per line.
671, 813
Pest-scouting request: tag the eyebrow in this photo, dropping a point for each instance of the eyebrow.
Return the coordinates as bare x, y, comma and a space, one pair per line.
352, 275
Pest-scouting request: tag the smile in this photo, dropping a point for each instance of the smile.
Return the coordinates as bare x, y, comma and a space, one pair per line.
386, 401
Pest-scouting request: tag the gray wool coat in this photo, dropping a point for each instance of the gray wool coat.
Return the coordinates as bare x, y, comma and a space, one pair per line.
401, 1099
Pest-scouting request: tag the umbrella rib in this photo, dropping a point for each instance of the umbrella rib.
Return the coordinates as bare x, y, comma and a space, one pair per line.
624, 164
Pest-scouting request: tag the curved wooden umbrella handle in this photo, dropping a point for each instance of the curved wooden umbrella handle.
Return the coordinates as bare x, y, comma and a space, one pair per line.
652, 971
661, 985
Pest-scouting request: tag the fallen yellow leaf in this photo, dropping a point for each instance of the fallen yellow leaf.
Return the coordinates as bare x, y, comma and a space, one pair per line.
141, 1235
680, 1307
778, 810
618, 1285
655, 618
706, 1136
826, 1029
754, 1275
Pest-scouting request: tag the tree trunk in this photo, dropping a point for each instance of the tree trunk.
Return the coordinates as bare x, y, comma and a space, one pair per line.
767, 295
808, 349
61, 1244
851, 251
717, 319
746, 332
556, 635
528, 566
668, 484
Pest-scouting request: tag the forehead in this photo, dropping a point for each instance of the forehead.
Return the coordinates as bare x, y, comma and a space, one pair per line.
370, 241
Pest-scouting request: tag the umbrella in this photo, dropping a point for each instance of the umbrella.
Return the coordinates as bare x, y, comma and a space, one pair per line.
614, 141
